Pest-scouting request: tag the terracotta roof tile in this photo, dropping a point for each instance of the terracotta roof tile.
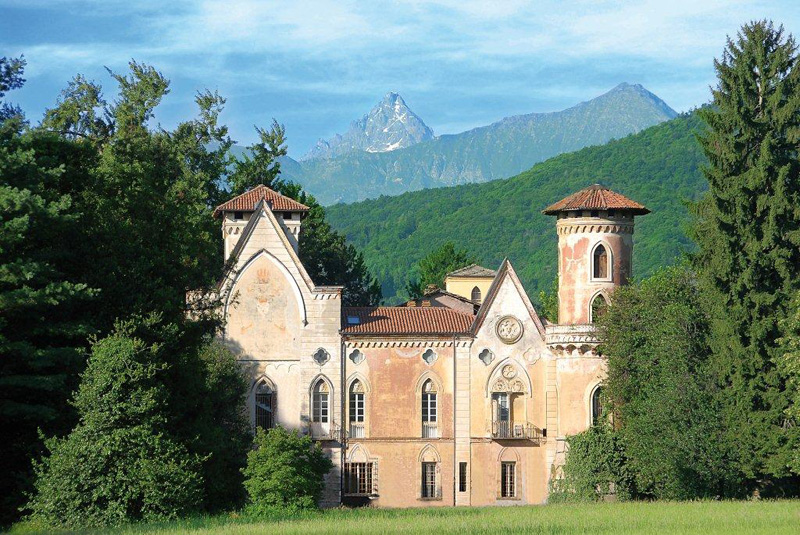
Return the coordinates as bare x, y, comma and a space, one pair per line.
247, 201
403, 320
596, 197
473, 270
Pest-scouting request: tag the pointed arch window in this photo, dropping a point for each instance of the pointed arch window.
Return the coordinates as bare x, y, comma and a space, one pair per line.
597, 405
264, 406
600, 263
320, 403
599, 306
357, 410
430, 407
476, 295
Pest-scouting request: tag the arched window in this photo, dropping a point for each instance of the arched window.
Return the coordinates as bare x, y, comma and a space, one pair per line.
476, 295
597, 405
357, 410
264, 405
599, 306
429, 410
320, 407
600, 268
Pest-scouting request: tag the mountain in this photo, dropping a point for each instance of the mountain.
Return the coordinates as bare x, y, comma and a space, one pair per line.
500, 150
389, 126
659, 167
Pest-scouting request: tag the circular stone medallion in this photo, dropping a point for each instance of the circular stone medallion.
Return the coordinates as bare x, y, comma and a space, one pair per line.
509, 329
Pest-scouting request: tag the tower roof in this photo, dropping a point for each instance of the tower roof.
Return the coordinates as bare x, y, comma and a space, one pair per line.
247, 202
596, 197
473, 270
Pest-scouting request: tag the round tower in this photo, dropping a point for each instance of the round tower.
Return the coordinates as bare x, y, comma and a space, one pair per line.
595, 250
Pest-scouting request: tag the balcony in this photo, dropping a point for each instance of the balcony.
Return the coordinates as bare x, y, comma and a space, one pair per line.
356, 430
430, 430
503, 430
326, 431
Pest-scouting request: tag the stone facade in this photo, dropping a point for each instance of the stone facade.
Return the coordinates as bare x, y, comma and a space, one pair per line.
441, 402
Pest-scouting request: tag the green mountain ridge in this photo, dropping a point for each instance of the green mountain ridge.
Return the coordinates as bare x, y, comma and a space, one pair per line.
659, 167
491, 152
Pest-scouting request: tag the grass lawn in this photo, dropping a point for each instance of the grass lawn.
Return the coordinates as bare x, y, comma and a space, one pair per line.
706, 518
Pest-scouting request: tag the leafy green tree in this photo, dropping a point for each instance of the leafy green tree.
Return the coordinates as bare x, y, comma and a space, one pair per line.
41, 333
663, 395
596, 466
435, 266
748, 232
549, 302
285, 471
11, 71
121, 463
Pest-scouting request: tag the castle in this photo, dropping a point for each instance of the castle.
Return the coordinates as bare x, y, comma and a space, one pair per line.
463, 397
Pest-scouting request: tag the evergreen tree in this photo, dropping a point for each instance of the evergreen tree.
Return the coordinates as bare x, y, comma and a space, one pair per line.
41, 334
121, 463
435, 266
790, 364
748, 230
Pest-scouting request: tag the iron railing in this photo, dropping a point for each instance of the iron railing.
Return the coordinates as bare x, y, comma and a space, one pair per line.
505, 430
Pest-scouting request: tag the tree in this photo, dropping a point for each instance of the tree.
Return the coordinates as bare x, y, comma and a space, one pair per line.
748, 232
41, 334
11, 71
285, 471
121, 463
790, 365
434, 267
549, 302
662, 393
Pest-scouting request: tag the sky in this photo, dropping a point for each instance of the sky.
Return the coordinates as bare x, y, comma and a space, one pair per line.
315, 66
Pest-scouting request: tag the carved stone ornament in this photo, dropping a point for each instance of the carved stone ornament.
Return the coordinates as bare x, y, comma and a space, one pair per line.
486, 356
501, 385
517, 386
321, 356
357, 357
509, 329
509, 372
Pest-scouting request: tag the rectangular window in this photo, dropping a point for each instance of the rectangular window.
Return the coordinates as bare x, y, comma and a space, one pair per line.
358, 479
357, 407
238, 216
429, 425
462, 477
320, 409
507, 480
264, 414
429, 480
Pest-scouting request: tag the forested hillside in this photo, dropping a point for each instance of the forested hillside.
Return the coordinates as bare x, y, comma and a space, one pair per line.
499, 150
658, 167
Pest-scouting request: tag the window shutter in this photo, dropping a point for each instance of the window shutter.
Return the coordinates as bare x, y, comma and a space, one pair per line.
375, 478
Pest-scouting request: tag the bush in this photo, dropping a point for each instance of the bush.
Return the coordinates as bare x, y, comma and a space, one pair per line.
120, 463
285, 472
596, 467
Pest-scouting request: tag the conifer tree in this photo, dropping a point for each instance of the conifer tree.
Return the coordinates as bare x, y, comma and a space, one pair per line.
748, 230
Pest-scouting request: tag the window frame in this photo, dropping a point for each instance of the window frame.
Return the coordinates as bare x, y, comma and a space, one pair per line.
364, 475
609, 277
320, 403
508, 480
429, 485
267, 399
462, 476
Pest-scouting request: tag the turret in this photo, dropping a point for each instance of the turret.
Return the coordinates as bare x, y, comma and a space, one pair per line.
595, 250
236, 214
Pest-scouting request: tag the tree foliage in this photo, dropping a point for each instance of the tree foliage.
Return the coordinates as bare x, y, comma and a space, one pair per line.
285, 471
434, 267
662, 393
748, 232
121, 462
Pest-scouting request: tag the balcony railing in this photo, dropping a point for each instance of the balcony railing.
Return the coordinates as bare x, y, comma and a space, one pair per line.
430, 430
326, 431
356, 430
503, 430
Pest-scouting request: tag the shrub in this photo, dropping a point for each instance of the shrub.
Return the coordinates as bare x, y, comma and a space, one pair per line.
596, 467
285, 471
120, 463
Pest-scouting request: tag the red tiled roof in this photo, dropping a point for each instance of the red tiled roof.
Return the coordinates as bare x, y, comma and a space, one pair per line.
596, 197
247, 201
403, 320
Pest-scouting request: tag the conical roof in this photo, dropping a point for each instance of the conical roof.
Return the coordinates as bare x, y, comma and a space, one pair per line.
596, 197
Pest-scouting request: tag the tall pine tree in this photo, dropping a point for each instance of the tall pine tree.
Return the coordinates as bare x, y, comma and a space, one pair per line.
748, 230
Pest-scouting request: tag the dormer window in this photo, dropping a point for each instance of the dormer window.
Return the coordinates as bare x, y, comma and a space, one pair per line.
238, 216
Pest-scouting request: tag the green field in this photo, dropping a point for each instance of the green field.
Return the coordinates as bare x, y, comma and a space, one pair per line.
706, 518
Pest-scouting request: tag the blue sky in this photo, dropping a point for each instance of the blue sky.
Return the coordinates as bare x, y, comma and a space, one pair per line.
315, 66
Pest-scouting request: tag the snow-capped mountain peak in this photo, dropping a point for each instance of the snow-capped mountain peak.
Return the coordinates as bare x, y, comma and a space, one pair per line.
389, 126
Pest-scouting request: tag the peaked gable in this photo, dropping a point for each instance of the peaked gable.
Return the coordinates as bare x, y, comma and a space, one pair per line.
506, 271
